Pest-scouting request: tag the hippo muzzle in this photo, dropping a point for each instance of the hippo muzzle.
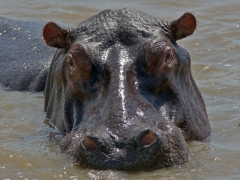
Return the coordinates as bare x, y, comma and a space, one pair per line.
126, 131
122, 89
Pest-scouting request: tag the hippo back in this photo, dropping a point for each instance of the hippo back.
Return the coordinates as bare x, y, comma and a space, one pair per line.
24, 58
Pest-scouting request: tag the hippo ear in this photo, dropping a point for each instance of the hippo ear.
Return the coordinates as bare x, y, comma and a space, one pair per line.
54, 35
184, 26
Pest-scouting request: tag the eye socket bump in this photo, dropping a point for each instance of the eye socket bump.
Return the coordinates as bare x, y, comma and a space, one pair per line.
159, 55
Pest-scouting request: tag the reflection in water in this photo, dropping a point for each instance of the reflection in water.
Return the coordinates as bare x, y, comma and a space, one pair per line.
29, 147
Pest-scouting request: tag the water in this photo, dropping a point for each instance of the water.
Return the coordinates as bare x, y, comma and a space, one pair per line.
28, 145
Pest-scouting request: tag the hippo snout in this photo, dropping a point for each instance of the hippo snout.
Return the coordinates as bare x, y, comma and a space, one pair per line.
147, 149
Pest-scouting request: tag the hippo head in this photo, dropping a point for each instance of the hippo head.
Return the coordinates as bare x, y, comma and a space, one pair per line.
121, 88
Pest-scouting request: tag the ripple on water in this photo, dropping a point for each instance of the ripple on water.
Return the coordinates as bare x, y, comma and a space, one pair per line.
29, 148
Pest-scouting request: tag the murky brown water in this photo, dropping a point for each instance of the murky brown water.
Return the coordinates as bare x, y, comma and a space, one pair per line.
28, 146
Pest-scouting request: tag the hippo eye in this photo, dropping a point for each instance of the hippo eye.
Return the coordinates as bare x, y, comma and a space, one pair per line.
70, 62
168, 55
168, 58
69, 58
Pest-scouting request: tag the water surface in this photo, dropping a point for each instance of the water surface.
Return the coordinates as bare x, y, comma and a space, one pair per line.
28, 145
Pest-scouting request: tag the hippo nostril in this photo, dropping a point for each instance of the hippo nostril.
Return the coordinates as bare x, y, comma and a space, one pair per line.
149, 138
89, 143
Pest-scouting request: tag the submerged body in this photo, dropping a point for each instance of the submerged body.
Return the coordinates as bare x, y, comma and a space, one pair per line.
24, 58
122, 89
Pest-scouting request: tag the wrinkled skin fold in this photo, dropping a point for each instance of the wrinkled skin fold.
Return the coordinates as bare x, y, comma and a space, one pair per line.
122, 90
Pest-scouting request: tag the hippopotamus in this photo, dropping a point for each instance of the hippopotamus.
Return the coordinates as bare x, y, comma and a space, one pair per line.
118, 86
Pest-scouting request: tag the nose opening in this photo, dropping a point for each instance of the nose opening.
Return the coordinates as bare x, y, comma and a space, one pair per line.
140, 151
149, 138
89, 143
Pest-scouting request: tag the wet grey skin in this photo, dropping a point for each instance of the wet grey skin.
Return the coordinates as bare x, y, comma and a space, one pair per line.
122, 90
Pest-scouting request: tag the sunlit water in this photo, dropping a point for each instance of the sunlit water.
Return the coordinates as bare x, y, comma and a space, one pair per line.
29, 146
